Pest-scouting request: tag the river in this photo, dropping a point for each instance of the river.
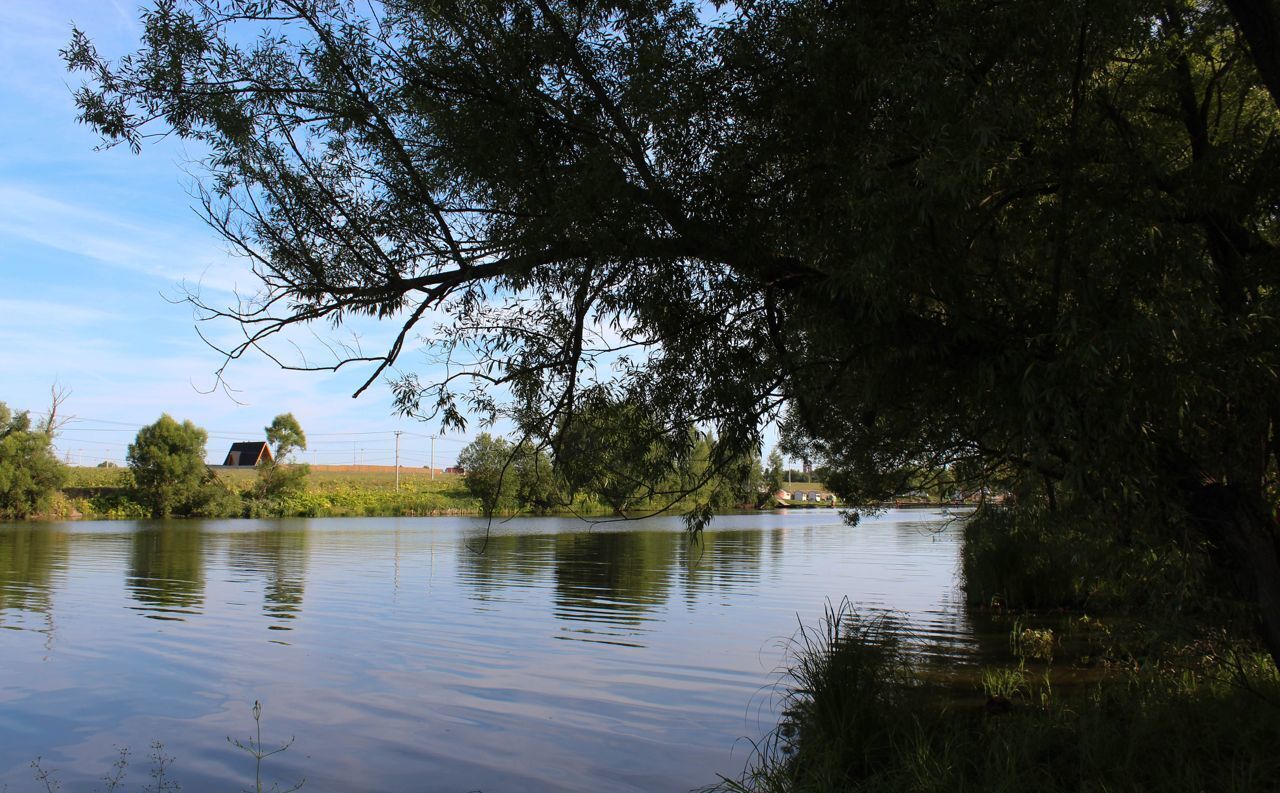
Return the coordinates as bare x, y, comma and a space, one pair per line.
428, 654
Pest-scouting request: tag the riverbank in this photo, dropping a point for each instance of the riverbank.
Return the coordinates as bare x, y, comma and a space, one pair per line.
1070, 710
328, 492
1100, 666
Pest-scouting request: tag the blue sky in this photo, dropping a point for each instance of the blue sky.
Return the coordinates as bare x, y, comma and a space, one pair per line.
94, 248
91, 245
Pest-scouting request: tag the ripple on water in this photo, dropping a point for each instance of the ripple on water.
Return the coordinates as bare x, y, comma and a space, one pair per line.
541, 655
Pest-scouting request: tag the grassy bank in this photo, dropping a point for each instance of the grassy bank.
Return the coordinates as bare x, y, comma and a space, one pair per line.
1167, 691
104, 493
865, 713
338, 491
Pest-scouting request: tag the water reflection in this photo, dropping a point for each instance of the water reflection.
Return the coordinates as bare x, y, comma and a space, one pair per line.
31, 561
614, 579
166, 570
420, 651
280, 558
488, 565
726, 560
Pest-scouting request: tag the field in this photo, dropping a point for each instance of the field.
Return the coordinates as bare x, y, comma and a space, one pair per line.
370, 477
330, 491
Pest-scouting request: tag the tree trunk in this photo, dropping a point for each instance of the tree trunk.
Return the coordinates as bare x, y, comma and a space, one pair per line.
1259, 21
1247, 533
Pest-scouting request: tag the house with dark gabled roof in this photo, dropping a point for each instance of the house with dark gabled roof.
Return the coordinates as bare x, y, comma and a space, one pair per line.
247, 454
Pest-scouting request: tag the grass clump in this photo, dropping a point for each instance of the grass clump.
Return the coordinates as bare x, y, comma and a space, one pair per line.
862, 714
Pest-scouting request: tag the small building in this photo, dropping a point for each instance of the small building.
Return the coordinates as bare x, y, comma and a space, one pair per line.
247, 454
783, 495
454, 469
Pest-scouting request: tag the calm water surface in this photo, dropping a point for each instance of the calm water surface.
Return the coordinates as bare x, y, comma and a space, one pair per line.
409, 654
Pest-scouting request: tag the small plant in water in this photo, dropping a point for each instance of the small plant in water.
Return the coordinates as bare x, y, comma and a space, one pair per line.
115, 776
1036, 643
1004, 683
161, 781
253, 746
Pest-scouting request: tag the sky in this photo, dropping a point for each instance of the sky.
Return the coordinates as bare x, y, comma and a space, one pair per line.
94, 248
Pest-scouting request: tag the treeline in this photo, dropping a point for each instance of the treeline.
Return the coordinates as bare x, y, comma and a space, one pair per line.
596, 470
168, 475
610, 460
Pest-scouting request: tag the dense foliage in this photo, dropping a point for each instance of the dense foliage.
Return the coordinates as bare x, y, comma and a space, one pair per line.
169, 471
1032, 245
30, 474
491, 474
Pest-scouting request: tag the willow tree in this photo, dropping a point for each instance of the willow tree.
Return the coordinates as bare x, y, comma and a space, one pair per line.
1033, 238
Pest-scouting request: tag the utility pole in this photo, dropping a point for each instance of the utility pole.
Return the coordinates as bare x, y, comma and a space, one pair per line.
433, 458
398, 459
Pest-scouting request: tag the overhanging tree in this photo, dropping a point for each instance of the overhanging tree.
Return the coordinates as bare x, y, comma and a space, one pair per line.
1029, 240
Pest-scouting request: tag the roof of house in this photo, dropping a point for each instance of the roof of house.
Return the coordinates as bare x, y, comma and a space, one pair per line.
247, 453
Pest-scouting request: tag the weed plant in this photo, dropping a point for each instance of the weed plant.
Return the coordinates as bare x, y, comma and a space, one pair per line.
160, 778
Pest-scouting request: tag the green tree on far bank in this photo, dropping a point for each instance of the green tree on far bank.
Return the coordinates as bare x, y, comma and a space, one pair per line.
490, 473
774, 474
540, 487
277, 478
170, 475
617, 451
29, 472
285, 435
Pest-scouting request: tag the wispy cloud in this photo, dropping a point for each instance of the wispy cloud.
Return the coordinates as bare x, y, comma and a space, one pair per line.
171, 254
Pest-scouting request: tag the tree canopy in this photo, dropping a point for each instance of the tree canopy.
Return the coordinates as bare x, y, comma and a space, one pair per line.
490, 473
169, 471
1033, 243
29, 471
285, 435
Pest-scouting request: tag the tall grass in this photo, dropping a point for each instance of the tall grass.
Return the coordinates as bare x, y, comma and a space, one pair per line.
861, 716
